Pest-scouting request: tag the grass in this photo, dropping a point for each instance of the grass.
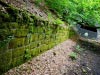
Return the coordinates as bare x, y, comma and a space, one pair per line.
73, 56
78, 48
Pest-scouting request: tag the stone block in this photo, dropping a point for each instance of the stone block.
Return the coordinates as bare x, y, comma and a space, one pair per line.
18, 52
17, 61
28, 47
5, 61
51, 45
43, 48
40, 29
33, 45
46, 41
34, 37
35, 51
47, 36
49, 32
41, 36
21, 32
9, 25
4, 68
3, 47
16, 42
4, 33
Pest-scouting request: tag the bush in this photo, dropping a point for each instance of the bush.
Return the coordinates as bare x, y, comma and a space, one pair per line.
27, 54
84, 12
58, 21
57, 5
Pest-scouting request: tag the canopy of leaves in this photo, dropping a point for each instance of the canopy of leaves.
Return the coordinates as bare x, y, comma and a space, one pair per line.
77, 11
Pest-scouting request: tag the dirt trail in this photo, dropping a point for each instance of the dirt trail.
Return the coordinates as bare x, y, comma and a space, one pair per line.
57, 62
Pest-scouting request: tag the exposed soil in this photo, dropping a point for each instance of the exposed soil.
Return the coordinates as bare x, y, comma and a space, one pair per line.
57, 62
29, 6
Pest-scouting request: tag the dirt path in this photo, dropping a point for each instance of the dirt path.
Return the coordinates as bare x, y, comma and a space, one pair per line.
57, 62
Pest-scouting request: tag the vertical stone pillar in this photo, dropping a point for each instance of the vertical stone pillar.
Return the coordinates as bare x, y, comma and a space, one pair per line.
98, 34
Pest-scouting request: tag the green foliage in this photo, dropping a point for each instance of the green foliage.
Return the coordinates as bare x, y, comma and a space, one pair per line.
55, 21
85, 12
78, 48
27, 54
73, 55
57, 5
50, 16
58, 21
4, 17
26, 17
6, 41
37, 2
77, 11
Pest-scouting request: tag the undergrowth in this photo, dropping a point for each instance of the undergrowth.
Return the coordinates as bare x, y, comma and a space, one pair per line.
74, 55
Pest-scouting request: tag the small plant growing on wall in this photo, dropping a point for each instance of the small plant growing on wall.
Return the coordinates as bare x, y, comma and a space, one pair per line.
58, 21
27, 54
6, 41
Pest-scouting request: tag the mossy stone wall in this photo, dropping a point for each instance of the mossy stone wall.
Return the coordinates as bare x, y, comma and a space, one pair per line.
36, 39
23, 36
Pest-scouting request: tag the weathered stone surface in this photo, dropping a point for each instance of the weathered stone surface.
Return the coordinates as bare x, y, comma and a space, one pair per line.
98, 35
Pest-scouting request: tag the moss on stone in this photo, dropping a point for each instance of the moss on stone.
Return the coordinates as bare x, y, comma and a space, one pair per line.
41, 36
4, 68
35, 37
18, 52
3, 47
47, 36
33, 45
16, 42
46, 41
28, 47
40, 29
4, 33
51, 45
5, 17
12, 25
17, 61
5, 61
35, 51
41, 48
21, 32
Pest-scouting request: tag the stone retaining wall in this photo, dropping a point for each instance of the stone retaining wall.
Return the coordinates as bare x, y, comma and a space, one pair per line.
17, 38
23, 36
